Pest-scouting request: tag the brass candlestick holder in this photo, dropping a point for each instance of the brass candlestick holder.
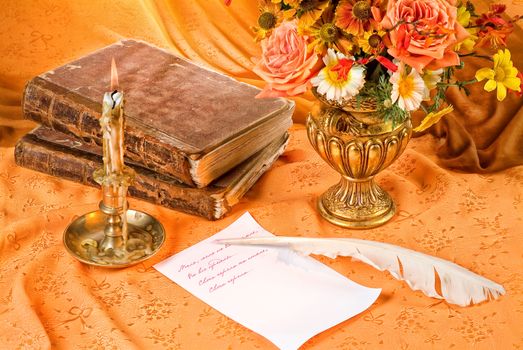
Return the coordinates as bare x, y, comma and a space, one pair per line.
114, 236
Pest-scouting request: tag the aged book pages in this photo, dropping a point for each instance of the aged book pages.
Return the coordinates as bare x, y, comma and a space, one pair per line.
183, 120
61, 155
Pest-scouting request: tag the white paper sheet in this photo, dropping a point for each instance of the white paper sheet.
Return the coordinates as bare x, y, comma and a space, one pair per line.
285, 297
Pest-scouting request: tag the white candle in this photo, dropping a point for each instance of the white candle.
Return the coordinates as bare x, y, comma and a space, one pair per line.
112, 123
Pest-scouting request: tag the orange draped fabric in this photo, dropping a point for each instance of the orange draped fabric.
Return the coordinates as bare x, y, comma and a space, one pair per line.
49, 300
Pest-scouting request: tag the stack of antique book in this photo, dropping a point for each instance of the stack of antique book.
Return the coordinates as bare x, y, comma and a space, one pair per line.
197, 139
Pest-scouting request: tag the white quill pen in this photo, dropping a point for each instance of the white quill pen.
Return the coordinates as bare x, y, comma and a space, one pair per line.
457, 285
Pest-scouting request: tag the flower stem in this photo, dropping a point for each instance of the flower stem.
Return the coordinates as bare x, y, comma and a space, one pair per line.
400, 23
459, 84
475, 54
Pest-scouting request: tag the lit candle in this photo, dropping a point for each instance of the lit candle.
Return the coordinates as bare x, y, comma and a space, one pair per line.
112, 123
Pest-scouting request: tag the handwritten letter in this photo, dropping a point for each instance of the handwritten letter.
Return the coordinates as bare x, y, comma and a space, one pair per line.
285, 297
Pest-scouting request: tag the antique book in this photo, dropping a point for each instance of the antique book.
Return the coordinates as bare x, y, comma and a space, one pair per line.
182, 120
63, 156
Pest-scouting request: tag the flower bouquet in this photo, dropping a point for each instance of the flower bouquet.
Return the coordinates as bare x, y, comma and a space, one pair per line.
371, 63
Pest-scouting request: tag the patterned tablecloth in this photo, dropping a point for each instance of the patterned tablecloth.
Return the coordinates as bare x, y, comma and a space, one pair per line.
48, 299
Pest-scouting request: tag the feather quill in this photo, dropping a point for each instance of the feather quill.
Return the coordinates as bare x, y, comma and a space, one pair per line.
420, 271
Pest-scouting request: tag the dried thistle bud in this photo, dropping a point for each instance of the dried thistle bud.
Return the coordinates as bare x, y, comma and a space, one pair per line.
470, 7
374, 40
361, 10
267, 20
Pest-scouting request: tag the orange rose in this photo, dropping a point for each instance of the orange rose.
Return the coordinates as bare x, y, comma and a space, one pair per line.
425, 32
286, 65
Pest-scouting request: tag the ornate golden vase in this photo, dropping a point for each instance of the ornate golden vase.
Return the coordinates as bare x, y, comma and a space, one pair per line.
358, 144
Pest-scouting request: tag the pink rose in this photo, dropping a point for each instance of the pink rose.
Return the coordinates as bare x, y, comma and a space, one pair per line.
429, 34
286, 64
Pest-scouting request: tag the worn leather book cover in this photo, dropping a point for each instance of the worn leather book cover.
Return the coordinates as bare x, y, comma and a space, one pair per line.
182, 120
63, 156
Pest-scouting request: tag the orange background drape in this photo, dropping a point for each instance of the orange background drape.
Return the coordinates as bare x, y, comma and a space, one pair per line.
47, 299
35, 36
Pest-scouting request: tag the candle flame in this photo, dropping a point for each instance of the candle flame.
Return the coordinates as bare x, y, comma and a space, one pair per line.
114, 76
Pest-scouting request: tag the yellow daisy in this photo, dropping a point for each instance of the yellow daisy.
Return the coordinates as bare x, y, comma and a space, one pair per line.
372, 42
310, 11
463, 17
469, 43
324, 35
270, 17
291, 3
502, 76
289, 12
431, 78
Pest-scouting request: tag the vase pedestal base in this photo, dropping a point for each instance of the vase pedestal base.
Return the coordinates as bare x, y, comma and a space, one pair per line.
356, 204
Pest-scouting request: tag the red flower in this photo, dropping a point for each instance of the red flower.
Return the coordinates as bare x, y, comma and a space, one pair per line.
520, 92
498, 9
385, 62
493, 29
343, 68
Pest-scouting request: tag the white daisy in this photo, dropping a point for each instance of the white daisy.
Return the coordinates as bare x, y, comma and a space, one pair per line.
341, 78
407, 89
431, 78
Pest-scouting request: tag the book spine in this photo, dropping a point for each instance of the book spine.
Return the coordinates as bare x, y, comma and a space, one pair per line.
64, 111
70, 166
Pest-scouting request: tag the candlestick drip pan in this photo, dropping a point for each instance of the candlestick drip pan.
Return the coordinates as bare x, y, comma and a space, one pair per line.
84, 236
